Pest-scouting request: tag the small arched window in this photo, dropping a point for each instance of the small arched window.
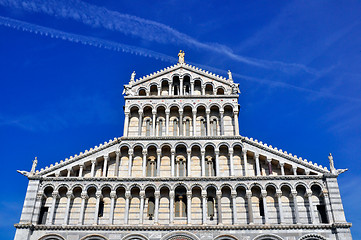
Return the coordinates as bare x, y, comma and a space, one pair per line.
180, 206
214, 127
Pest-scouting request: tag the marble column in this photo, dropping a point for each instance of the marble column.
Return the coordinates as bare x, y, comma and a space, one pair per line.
203, 90
236, 127
221, 122
204, 207
311, 208
180, 122
154, 112
141, 210
295, 206
177, 163
84, 197
189, 207
169, 89
156, 207
282, 166
55, 195
81, 168
245, 165
265, 210
130, 162
231, 161
113, 195
172, 162
280, 209
294, 168
126, 212
194, 112
144, 163
249, 204
258, 171
92, 171
69, 196
208, 112
181, 90
234, 206
189, 163
217, 163
105, 166
98, 196
192, 87
171, 206
140, 123
269, 161
219, 204
126, 124
203, 163
116, 170
68, 172
167, 112
159, 152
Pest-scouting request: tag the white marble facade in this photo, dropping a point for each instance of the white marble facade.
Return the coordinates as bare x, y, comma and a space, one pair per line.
183, 171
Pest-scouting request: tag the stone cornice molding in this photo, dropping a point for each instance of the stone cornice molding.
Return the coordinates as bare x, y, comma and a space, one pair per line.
184, 227
176, 179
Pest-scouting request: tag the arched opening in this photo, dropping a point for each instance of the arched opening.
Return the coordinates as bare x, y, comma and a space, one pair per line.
165, 166
224, 163
220, 91
211, 205
75, 206
90, 206
272, 208
196, 166
151, 165
142, 92
174, 121
319, 201
226, 206
181, 161
176, 86
209, 89
186, 85
164, 206
287, 204
45, 205
147, 121
104, 206
160, 125
153, 90
180, 202
210, 164
196, 206
257, 205
197, 87
134, 206
149, 208
187, 121
119, 206
165, 88
242, 205
201, 124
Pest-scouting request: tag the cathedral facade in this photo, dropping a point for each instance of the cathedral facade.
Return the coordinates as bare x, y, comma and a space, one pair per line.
183, 171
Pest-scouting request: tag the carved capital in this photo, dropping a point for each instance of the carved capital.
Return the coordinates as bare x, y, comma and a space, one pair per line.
106, 157
117, 153
293, 193
264, 193
154, 112
279, 193
127, 195
84, 195
171, 194
204, 194
325, 193
159, 151
142, 194
157, 194
113, 194
233, 194
40, 196
55, 194
144, 152
98, 195
219, 193
308, 193
69, 195
93, 161
248, 194
131, 152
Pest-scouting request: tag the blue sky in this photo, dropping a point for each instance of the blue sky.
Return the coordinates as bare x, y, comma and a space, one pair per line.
63, 65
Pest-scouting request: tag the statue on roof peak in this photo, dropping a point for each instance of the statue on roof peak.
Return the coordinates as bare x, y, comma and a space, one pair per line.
333, 170
230, 75
132, 77
181, 56
35, 163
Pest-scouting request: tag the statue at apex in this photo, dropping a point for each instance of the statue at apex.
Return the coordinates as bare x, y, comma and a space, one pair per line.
181, 56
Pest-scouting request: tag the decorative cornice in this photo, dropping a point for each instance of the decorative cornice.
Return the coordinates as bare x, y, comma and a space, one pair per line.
176, 179
185, 227
178, 66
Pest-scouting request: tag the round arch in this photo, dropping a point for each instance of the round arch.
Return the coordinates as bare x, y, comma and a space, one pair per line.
52, 237
94, 237
268, 237
135, 236
312, 237
226, 237
176, 235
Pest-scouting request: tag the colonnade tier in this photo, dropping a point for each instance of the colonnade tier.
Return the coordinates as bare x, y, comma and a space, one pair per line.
182, 85
181, 120
182, 204
183, 161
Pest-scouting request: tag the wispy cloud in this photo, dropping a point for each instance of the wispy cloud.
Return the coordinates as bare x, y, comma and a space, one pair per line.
96, 17
119, 47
